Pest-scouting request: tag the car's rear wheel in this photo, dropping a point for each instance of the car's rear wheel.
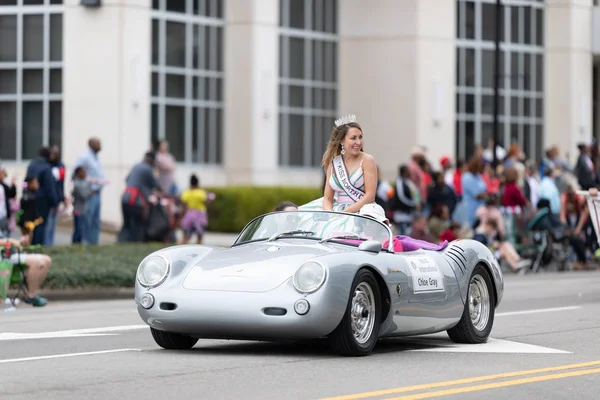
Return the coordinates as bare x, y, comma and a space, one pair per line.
478, 315
172, 341
357, 333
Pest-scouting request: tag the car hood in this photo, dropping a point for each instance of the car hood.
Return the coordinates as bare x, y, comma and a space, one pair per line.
253, 267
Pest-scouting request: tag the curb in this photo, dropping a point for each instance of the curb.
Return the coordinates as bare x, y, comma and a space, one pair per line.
211, 238
105, 226
109, 228
92, 293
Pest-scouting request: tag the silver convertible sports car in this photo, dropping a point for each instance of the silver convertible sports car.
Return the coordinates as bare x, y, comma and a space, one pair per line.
313, 274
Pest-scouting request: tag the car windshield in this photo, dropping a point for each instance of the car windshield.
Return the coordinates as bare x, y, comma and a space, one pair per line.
339, 227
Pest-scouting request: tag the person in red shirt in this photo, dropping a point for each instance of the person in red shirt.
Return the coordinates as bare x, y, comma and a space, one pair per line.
426, 168
572, 206
512, 196
491, 179
456, 180
453, 232
416, 172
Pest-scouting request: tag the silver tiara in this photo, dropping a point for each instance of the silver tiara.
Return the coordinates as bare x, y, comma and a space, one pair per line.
346, 119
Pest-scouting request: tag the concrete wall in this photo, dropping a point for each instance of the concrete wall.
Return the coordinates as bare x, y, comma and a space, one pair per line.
106, 88
568, 74
397, 74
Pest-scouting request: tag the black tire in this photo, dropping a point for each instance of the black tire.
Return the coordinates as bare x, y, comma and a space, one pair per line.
172, 341
465, 331
342, 339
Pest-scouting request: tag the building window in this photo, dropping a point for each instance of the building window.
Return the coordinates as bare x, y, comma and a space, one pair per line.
31, 43
187, 78
521, 72
308, 90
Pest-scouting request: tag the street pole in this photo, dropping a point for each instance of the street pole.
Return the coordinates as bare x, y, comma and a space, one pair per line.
497, 80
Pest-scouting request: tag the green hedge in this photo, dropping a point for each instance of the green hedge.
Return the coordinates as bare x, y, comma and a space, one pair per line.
112, 265
235, 206
115, 265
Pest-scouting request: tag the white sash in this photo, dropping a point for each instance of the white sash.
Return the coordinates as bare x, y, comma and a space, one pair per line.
594, 209
339, 169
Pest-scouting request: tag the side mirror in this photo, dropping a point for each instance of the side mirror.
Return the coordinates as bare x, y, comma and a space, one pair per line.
372, 246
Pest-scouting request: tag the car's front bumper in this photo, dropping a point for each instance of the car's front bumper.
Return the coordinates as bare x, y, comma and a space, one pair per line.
243, 315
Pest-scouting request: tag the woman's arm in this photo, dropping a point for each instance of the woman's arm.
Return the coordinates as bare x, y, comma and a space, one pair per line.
328, 191
166, 162
370, 178
404, 194
583, 219
500, 222
12, 241
563, 209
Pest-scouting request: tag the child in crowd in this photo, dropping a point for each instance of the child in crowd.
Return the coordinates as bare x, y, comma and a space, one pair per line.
15, 206
195, 219
27, 217
488, 234
453, 232
286, 206
81, 192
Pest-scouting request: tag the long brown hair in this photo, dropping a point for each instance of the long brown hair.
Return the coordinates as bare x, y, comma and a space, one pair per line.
334, 147
475, 165
511, 175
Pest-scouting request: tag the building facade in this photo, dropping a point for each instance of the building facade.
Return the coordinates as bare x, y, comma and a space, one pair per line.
246, 91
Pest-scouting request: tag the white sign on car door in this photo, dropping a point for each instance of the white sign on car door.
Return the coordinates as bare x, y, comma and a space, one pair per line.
426, 276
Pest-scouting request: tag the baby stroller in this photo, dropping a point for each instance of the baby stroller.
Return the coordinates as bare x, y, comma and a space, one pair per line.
163, 219
551, 246
548, 240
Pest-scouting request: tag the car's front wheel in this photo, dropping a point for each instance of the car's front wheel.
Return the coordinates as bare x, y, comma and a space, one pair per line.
172, 341
357, 333
478, 315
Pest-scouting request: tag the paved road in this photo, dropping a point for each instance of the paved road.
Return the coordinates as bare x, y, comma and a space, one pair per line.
100, 350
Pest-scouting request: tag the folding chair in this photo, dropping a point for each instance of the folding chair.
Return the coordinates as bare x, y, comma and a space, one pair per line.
6, 269
19, 280
16, 278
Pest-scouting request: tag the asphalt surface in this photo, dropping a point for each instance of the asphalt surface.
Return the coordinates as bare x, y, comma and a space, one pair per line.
102, 350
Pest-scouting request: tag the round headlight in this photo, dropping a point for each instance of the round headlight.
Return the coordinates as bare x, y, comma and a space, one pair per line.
309, 277
153, 271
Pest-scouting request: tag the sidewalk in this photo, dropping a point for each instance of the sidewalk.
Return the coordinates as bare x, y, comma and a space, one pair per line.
63, 237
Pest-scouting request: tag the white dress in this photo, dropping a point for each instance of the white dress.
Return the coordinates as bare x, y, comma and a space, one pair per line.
341, 201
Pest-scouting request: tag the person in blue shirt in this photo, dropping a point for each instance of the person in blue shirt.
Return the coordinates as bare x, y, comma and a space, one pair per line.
549, 191
474, 189
95, 172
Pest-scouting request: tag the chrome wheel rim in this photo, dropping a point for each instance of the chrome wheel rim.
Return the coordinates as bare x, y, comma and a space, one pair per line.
362, 312
479, 303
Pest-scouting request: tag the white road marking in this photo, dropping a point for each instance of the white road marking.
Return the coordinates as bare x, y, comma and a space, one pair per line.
73, 333
538, 311
492, 346
89, 353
